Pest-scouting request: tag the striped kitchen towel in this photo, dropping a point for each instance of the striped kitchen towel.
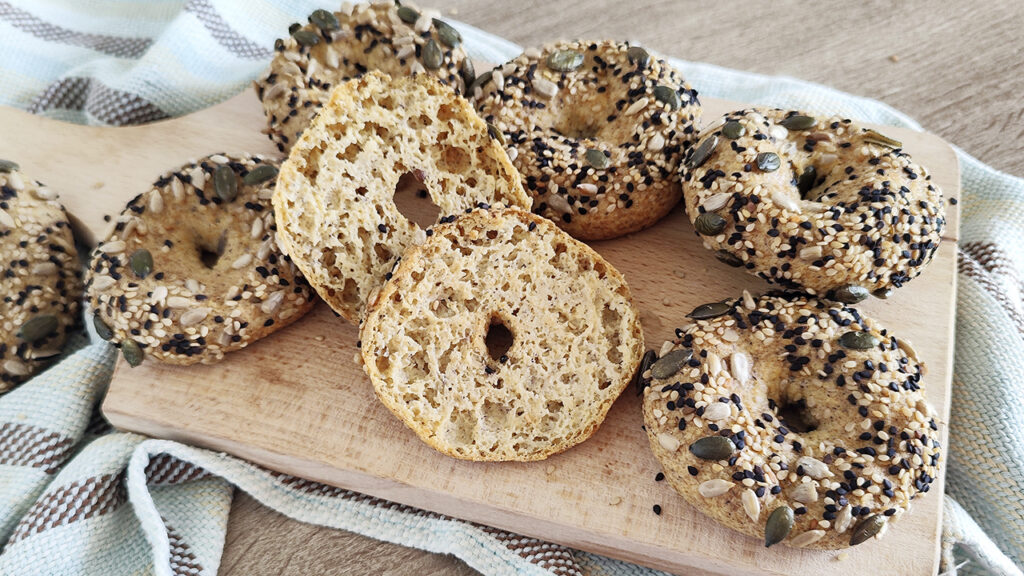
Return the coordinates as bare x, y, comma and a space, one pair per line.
79, 498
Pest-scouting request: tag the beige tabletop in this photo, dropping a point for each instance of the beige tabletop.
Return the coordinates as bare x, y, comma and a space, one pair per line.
958, 68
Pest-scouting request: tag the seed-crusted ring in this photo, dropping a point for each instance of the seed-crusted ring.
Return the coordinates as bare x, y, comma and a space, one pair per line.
793, 419
597, 129
191, 269
819, 204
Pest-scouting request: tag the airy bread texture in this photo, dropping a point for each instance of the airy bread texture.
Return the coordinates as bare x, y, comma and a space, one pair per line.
576, 338
334, 200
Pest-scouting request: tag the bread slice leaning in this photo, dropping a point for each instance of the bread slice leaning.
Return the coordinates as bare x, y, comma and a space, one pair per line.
334, 200
429, 346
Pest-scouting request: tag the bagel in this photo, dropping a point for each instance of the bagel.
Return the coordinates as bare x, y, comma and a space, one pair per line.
821, 205
597, 129
792, 419
190, 269
575, 338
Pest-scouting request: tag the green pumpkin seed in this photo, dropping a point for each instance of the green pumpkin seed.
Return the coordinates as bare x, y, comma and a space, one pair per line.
597, 159
710, 310
131, 352
779, 523
668, 365
449, 35
882, 293
141, 262
8, 166
858, 340
702, 152
667, 95
495, 133
225, 183
259, 175
851, 294
733, 130
713, 448
468, 73
867, 528
408, 15
294, 27
324, 20
639, 56
799, 122
806, 180
650, 357
38, 327
872, 137
768, 161
726, 257
102, 330
480, 81
564, 60
432, 55
306, 38
709, 224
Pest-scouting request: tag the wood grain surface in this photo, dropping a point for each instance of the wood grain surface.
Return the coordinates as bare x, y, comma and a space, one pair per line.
955, 67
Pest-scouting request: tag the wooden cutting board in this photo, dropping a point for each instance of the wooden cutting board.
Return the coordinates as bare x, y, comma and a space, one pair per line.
299, 403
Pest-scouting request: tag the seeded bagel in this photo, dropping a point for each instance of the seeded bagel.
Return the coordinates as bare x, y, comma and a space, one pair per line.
818, 204
792, 419
335, 197
576, 338
597, 129
190, 270
335, 47
40, 276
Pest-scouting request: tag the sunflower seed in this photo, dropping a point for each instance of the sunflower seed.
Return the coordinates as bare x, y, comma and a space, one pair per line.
597, 159
728, 258
807, 538
131, 352
493, 131
272, 303
751, 504
716, 201
102, 330
43, 193
713, 448
638, 56
907, 349
709, 310
811, 253
714, 364
44, 269
38, 327
16, 367
193, 316
714, 487
225, 183
867, 528
733, 130
156, 202
799, 122
806, 180
656, 143
7, 166
843, 519
637, 106
667, 95
872, 137
805, 493
242, 261
432, 55
324, 20
851, 294
102, 282
449, 35
671, 363
813, 467
408, 15
709, 224
779, 523
141, 262
739, 366
785, 201
564, 60
259, 175
717, 411
858, 340
702, 152
14, 181
160, 295
306, 38
178, 302
668, 442
768, 161
6, 220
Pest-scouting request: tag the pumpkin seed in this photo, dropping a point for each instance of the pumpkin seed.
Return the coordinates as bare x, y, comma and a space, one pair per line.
710, 310
799, 122
102, 330
408, 15
858, 340
480, 80
38, 327
779, 523
726, 257
806, 181
259, 175
882, 293
306, 38
597, 159
225, 184
638, 56
667, 95
671, 363
867, 528
131, 352
447, 33
141, 262
702, 152
564, 60
324, 19
468, 73
872, 137
733, 130
768, 161
709, 224
495, 133
645, 364
713, 448
8, 166
432, 55
851, 294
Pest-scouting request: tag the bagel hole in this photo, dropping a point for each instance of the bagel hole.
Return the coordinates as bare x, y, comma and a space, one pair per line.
209, 254
796, 416
498, 339
413, 201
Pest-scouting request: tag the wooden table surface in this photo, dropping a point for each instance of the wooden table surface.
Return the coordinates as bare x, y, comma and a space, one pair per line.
957, 68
